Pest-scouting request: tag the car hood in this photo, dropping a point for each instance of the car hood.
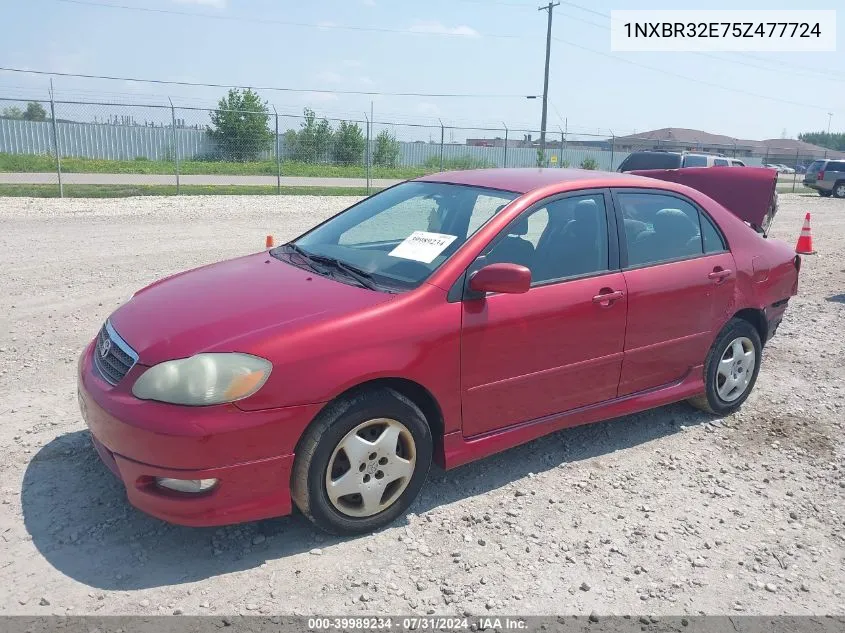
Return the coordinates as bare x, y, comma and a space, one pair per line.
750, 193
226, 306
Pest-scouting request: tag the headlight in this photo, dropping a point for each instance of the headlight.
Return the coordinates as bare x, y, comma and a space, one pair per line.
203, 379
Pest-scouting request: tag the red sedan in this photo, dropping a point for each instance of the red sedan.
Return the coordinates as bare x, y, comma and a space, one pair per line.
446, 318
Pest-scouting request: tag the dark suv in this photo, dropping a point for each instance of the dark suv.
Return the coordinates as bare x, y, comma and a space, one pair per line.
827, 177
656, 159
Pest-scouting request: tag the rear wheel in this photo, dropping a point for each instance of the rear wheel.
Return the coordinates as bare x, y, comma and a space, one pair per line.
839, 189
362, 462
731, 368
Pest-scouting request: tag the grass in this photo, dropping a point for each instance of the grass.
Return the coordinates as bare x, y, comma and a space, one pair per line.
31, 163
123, 191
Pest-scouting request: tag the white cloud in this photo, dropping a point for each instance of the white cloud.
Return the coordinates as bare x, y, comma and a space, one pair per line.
428, 109
216, 4
329, 77
320, 97
369, 3
438, 28
364, 80
351, 63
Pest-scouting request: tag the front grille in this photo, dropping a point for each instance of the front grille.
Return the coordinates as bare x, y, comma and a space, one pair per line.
118, 358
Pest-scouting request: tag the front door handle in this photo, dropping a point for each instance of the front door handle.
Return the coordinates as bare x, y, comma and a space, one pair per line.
719, 275
606, 297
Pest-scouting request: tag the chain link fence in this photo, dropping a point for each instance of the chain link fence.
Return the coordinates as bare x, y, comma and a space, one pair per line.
89, 149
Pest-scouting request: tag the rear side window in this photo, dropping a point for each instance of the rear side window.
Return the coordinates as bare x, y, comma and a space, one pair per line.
836, 165
650, 160
713, 242
659, 228
691, 160
815, 167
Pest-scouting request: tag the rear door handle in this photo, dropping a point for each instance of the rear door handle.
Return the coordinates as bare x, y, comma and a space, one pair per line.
719, 275
607, 298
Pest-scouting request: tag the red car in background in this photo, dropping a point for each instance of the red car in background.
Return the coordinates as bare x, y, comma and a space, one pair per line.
445, 318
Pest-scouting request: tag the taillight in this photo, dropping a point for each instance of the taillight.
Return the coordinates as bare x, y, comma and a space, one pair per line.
820, 176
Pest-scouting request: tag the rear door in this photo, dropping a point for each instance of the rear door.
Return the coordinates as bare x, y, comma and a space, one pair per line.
834, 172
680, 278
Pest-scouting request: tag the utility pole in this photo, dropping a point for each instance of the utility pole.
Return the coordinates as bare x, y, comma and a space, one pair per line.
550, 8
829, 117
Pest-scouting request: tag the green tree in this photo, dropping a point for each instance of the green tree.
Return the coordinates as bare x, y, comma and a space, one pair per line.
387, 150
541, 158
349, 144
35, 112
12, 112
312, 142
589, 163
833, 140
240, 125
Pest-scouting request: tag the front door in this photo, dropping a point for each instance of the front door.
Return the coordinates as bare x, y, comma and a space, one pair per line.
680, 278
560, 345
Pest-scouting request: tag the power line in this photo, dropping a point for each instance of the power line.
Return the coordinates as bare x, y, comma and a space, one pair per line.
197, 84
688, 78
320, 26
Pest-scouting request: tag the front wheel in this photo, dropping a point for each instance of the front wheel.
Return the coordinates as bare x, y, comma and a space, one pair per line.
731, 368
362, 462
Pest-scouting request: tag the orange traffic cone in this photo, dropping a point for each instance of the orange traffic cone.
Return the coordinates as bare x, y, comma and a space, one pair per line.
269, 242
805, 240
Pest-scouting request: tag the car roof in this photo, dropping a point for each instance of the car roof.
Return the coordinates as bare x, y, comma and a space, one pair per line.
523, 180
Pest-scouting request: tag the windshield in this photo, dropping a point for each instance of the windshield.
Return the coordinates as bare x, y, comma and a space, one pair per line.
399, 237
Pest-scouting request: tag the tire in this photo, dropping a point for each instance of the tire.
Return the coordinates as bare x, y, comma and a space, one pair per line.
357, 424
824, 194
719, 398
838, 190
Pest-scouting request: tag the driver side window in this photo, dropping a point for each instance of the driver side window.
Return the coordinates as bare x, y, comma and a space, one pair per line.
566, 238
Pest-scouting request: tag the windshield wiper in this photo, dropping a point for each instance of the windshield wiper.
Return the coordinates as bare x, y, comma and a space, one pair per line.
358, 274
303, 255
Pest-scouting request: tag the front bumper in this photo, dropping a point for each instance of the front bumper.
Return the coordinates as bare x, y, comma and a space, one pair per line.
250, 453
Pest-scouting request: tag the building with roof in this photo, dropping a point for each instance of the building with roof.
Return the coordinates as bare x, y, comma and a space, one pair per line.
777, 150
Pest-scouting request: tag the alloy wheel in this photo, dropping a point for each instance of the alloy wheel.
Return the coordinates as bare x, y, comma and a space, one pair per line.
736, 368
370, 467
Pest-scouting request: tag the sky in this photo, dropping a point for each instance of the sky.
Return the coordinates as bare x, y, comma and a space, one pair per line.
492, 49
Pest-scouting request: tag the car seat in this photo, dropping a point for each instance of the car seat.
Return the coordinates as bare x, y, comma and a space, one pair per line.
514, 248
674, 235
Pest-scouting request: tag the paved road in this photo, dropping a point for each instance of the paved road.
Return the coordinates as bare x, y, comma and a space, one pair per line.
49, 178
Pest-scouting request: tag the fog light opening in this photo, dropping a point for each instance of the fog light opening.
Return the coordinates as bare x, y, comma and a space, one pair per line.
186, 485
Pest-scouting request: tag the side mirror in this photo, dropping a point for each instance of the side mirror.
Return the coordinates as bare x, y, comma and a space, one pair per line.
504, 278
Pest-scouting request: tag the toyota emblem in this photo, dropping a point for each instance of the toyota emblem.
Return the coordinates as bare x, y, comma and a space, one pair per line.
105, 348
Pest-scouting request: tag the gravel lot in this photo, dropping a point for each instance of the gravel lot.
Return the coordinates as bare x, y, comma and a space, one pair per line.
667, 512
